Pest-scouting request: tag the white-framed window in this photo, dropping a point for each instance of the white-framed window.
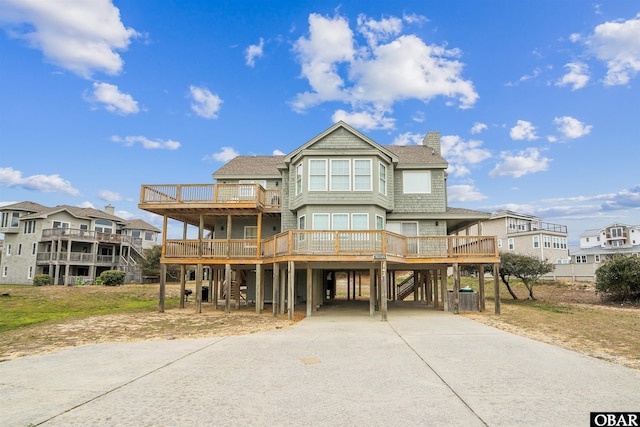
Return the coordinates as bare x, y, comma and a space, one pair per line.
536, 241
250, 233
299, 179
499, 243
340, 221
360, 221
361, 175
30, 273
596, 258
321, 221
562, 261
416, 182
136, 234
382, 184
512, 224
379, 226
5, 271
149, 236
317, 175
616, 232
30, 227
9, 249
34, 247
340, 175
511, 244
61, 224
546, 240
581, 259
302, 222
403, 228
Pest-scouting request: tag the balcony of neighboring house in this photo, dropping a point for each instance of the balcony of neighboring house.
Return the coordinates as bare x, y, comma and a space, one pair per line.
90, 236
330, 245
534, 226
161, 199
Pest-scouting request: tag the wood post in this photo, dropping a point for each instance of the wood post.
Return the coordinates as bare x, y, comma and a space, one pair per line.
496, 286
416, 285
456, 288
434, 280
372, 292
216, 286
163, 280
199, 288
443, 288
309, 292
283, 291
183, 272
259, 284
481, 287
227, 293
275, 289
291, 300
384, 285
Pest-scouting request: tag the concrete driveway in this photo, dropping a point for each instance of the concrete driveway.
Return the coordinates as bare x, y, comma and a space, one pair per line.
338, 368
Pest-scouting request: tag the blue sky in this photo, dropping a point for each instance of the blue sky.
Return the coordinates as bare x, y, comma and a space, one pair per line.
537, 101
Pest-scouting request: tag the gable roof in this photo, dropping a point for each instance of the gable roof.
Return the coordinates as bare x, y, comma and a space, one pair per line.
24, 206
250, 166
341, 125
141, 225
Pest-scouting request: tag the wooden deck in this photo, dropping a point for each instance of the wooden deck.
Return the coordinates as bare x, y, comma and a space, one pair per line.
311, 245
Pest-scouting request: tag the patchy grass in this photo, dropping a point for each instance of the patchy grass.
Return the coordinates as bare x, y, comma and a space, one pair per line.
31, 305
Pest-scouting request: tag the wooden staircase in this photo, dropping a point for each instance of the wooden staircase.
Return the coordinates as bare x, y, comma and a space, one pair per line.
406, 288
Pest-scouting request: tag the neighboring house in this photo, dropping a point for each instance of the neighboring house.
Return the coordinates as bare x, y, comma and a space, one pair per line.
598, 246
526, 235
70, 243
339, 202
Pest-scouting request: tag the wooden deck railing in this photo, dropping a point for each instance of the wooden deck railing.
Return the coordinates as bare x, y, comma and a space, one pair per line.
210, 194
330, 243
77, 234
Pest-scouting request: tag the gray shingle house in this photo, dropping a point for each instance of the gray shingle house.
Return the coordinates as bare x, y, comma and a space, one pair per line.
278, 226
69, 243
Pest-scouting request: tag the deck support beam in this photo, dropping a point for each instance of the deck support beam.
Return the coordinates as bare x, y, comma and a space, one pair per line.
199, 288
384, 282
496, 286
259, 287
227, 289
309, 292
456, 288
183, 273
372, 292
291, 300
163, 281
481, 286
275, 289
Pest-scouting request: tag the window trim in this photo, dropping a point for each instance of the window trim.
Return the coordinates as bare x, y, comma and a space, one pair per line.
311, 175
407, 181
332, 175
369, 174
382, 180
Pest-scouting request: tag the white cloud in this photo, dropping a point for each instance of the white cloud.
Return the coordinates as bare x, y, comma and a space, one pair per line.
464, 193
523, 130
408, 138
109, 196
113, 100
254, 51
77, 35
205, 104
371, 76
277, 153
478, 127
457, 151
365, 120
536, 72
525, 162
617, 43
376, 31
10, 177
571, 128
574, 37
577, 77
129, 141
225, 154
458, 170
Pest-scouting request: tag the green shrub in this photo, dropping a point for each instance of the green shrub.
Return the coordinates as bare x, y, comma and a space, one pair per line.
619, 279
112, 277
41, 280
